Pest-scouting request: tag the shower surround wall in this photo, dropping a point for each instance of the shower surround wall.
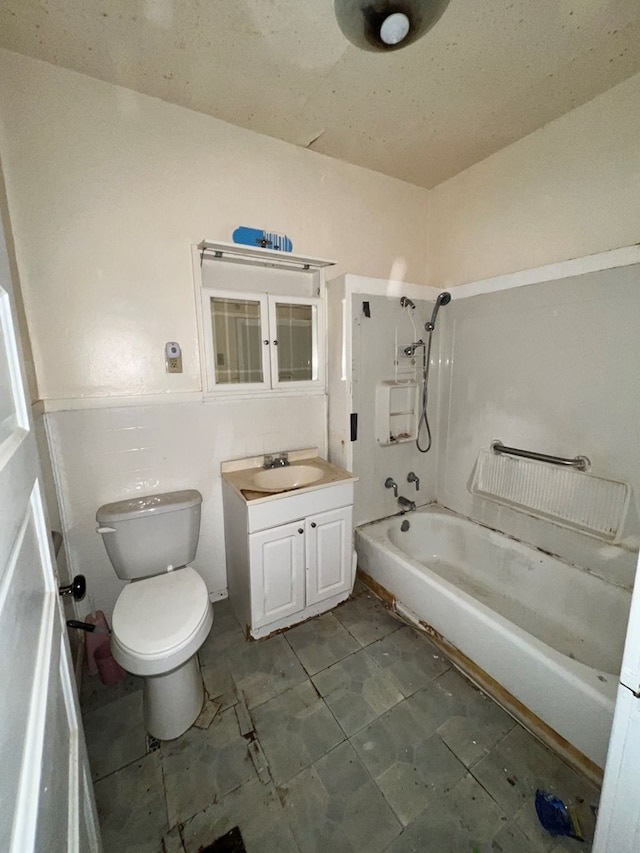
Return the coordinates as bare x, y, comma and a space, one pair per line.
362, 352
550, 367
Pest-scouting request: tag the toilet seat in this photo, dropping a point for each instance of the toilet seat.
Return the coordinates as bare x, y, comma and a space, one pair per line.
160, 621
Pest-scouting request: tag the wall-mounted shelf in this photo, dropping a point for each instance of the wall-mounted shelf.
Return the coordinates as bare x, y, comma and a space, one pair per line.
240, 254
396, 412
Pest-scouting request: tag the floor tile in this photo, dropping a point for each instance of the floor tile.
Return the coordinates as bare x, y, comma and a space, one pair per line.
131, 807
320, 642
366, 618
334, 805
95, 694
464, 818
474, 732
511, 840
219, 684
255, 809
433, 832
516, 768
225, 635
476, 812
411, 767
444, 770
172, 842
413, 660
357, 691
265, 668
443, 698
203, 765
295, 729
115, 734
359, 588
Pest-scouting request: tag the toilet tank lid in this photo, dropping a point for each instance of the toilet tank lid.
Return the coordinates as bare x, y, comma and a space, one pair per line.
148, 505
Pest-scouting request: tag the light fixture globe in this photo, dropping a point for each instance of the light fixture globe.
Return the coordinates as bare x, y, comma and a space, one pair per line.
382, 25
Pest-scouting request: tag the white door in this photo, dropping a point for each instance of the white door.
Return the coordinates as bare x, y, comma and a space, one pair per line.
618, 828
46, 796
277, 573
328, 542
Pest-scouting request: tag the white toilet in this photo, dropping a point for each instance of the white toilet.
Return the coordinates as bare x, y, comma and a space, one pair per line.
162, 618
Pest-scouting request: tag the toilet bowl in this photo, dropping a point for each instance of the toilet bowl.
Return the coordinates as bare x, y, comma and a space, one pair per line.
163, 616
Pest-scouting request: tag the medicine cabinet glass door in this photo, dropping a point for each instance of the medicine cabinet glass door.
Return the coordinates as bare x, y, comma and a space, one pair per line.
295, 355
261, 341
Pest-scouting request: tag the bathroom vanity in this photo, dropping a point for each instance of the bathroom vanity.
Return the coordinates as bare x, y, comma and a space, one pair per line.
288, 535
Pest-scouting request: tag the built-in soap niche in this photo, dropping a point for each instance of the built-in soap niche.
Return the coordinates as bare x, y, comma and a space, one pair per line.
396, 412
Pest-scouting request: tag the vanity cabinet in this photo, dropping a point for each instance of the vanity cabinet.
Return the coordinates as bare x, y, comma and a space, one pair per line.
289, 556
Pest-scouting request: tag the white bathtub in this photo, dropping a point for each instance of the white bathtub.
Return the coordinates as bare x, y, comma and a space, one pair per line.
550, 633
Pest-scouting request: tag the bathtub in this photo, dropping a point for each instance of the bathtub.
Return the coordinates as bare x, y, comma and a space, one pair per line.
551, 634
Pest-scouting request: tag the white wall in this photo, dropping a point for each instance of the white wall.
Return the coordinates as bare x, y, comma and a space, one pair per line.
107, 190
570, 189
549, 367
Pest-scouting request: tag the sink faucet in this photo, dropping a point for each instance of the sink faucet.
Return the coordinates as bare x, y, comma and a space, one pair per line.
390, 483
413, 478
276, 460
406, 504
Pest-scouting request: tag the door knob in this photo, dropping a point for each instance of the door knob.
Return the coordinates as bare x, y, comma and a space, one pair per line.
76, 588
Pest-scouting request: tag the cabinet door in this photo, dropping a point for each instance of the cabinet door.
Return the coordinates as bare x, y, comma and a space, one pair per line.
277, 573
329, 546
236, 327
296, 328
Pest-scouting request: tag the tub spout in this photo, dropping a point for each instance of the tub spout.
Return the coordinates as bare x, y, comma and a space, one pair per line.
406, 504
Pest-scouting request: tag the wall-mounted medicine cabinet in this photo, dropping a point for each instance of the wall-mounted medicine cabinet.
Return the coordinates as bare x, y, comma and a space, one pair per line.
261, 319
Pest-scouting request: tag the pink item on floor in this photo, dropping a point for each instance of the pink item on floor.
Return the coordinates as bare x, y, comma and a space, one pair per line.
96, 639
109, 669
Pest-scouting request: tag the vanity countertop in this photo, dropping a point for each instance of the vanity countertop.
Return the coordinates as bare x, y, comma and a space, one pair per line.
240, 473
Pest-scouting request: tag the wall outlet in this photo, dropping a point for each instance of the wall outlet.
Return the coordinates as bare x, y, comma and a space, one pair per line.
173, 357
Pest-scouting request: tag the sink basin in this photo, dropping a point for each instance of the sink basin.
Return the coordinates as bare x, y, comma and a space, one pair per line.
287, 477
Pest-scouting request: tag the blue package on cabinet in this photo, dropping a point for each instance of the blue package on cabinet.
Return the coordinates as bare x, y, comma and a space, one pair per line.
262, 239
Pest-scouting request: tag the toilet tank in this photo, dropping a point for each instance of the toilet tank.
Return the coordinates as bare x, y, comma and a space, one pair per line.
152, 534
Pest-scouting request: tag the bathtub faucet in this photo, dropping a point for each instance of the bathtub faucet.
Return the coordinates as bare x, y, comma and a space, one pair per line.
406, 504
390, 483
413, 478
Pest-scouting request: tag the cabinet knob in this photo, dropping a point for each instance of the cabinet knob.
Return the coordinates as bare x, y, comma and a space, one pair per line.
313, 524
266, 343
275, 343
301, 530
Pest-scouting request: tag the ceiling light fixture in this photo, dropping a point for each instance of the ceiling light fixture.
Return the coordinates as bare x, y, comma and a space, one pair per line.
381, 25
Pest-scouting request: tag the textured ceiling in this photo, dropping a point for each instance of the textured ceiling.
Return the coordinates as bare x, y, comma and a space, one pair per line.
488, 73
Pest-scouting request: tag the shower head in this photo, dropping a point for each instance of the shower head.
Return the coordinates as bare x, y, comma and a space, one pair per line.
406, 302
444, 298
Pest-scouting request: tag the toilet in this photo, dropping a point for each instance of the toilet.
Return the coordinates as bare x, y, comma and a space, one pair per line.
163, 616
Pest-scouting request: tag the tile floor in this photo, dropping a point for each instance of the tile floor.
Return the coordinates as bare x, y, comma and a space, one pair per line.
359, 737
